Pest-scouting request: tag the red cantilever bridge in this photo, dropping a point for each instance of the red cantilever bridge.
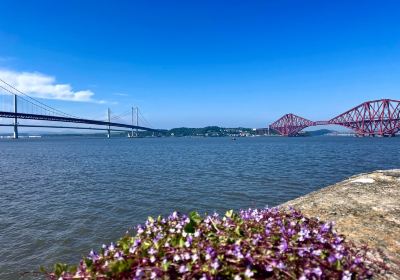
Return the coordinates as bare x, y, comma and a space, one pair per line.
371, 118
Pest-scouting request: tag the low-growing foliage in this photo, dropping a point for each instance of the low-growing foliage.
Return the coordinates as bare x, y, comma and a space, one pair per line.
252, 244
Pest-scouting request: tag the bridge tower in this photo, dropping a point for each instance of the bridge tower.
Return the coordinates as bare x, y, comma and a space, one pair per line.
132, 120
133, 133
137, 120
109, 120
15, 117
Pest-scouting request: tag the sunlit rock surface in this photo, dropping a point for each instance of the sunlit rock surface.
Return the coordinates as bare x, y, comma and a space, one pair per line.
365, 208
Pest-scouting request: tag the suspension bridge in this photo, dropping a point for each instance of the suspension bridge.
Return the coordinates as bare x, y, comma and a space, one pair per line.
16, 105
371, 118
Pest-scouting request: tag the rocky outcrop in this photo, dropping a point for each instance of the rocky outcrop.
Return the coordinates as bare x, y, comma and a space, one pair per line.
365, 208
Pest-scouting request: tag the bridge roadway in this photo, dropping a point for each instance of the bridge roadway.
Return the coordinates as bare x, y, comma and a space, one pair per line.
12, 115
66, 127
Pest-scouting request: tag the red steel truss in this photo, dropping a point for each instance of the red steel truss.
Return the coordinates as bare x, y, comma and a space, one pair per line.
371, 118
378, 117
290, 125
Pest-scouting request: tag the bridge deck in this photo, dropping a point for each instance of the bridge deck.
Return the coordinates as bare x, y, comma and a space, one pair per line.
13, 115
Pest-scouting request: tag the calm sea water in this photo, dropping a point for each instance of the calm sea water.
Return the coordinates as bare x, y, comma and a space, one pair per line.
59, 198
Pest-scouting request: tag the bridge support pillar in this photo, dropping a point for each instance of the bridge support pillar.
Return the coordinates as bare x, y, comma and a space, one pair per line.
15, 118
109, 120
15, 131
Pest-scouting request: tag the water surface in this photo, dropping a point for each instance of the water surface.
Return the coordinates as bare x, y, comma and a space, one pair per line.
61, 197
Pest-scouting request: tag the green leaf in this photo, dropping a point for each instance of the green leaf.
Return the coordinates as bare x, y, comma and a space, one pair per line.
238, 231
190, 227
338, 265
181, 242
146, 245
88, 263
212, 236
231, 240
275, 238
174, 241
324, 255
195, 217
123, 266
165, 265
59, 268
72, 269
125, 243
229, 213
119, 266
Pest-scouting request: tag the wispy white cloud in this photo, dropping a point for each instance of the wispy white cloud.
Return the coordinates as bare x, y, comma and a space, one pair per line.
44, 86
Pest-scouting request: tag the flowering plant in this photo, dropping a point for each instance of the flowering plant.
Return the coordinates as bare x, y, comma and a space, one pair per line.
251, 244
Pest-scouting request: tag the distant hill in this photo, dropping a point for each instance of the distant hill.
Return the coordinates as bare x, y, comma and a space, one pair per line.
208, 131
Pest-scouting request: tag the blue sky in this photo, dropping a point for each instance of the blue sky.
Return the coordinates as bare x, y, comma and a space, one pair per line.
197, 63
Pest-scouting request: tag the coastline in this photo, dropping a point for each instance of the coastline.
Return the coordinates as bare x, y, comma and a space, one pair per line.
366, 209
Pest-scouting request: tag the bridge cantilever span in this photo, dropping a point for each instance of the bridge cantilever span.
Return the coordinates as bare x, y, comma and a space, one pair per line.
290, 125
371, 118
377, 117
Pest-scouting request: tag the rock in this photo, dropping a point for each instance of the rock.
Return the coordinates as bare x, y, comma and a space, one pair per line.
366, 209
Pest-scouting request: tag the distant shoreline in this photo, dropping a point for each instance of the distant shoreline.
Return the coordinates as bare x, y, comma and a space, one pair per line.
211, 131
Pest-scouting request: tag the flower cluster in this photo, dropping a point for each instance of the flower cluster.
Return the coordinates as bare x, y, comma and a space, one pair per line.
251, 244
